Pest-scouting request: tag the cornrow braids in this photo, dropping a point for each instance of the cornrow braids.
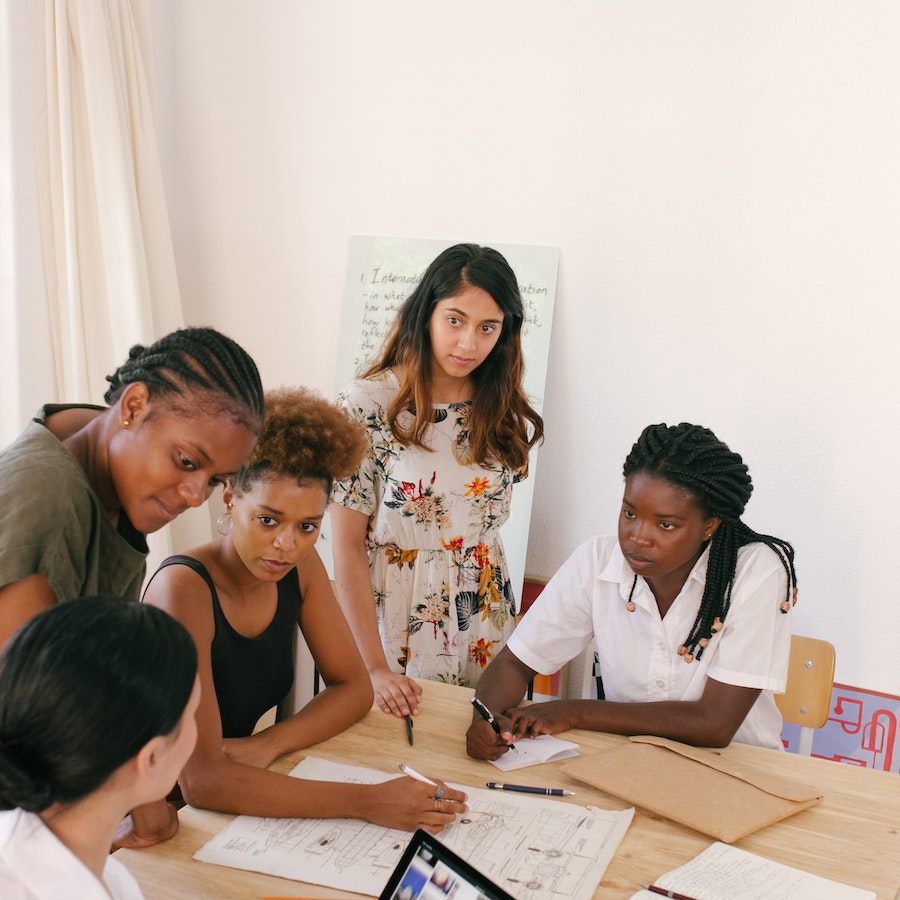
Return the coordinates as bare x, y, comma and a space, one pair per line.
190, 360
692, 457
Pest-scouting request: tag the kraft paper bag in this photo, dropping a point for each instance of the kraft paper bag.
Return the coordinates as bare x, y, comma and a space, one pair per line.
708, 790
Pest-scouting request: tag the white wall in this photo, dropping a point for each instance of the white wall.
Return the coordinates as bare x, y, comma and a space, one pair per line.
24, 327
722, 180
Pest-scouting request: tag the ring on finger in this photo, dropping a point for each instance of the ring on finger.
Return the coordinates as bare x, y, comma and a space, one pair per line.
439, 793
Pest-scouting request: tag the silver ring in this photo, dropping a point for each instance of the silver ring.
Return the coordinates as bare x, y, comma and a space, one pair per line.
438, 793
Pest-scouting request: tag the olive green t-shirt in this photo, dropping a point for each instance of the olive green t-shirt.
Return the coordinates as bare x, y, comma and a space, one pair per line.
52, 522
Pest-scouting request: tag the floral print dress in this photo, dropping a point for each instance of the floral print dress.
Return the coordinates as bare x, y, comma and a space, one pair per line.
443, 598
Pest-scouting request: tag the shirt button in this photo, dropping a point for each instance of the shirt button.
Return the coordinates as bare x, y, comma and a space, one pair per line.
660, 684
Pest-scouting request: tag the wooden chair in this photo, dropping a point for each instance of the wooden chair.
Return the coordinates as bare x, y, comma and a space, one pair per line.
807, 698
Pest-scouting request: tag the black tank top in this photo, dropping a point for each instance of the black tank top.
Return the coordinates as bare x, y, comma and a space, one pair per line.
251, 675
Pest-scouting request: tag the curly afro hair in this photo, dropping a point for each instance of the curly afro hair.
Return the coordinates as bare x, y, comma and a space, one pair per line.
305, 437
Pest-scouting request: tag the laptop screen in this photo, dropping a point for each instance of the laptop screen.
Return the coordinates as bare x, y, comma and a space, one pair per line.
432, 871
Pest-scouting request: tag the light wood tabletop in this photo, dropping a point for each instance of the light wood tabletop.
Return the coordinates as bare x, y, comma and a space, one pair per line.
852, 836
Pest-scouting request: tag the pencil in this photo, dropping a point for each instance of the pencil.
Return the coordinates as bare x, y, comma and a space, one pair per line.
408, 770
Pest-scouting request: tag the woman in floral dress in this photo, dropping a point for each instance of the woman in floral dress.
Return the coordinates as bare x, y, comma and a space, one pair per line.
417, 528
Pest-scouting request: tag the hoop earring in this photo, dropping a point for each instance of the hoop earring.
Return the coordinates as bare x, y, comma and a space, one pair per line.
224, 524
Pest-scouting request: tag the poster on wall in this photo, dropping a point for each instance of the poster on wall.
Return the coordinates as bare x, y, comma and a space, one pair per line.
381, 274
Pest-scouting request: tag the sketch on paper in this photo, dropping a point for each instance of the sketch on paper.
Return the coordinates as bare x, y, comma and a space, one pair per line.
535, 848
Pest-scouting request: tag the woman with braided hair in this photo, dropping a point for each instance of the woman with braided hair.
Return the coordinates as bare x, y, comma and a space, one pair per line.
83, 485
690, 610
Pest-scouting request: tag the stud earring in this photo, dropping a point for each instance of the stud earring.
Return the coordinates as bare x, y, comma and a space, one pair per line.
126, 423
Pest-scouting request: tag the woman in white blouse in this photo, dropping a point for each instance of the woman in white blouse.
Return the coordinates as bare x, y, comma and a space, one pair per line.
97, 702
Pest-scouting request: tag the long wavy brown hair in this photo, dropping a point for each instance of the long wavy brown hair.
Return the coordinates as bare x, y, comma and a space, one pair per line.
503, 426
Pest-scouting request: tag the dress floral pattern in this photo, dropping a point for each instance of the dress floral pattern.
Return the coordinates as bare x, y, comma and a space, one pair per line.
443, 598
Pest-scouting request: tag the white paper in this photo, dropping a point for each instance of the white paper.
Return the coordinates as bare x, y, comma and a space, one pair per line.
723, 872
536, 848
533, 751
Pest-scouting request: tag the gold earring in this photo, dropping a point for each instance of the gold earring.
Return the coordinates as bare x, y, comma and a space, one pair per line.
125, 423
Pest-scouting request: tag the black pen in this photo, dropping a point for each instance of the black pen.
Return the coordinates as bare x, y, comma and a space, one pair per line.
665, 892
409, 727
526, 789
488, 717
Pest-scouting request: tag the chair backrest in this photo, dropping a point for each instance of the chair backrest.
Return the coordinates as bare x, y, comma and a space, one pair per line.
807, 698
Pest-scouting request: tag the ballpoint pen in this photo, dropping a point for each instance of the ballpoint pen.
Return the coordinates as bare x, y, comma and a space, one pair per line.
665, 892
409, 729
527, 789
488, 717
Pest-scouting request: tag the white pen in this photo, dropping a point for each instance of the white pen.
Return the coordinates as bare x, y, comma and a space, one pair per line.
406, 770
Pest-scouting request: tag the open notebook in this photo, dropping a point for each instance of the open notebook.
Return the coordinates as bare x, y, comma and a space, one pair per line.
431, 871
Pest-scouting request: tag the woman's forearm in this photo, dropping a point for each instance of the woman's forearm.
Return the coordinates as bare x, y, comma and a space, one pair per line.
353, 584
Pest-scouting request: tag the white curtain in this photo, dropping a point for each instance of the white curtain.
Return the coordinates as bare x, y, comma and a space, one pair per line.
108, 257
108, 253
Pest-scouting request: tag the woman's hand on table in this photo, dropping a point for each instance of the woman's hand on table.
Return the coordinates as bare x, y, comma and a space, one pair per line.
249, 751
407, 804
145, 826
540, 718
395, 694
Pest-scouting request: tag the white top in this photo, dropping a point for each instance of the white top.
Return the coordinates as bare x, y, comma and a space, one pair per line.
36, 865
638, 651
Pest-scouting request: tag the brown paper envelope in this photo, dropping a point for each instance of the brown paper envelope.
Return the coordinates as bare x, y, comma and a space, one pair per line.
707, 790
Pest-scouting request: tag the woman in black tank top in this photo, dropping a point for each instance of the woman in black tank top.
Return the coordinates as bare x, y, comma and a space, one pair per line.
243, 595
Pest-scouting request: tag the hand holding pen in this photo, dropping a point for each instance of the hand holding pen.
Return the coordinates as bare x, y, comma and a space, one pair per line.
443, 802
488, 717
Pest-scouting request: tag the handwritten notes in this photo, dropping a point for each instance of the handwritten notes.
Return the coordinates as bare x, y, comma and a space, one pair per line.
723, 872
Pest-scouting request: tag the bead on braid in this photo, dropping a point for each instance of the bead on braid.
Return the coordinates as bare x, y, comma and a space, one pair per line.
692, 457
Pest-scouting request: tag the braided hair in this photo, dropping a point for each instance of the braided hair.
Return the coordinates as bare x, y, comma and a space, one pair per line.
193, 360
692, 457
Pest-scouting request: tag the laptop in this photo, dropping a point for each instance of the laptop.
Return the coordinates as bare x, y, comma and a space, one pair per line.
429, 870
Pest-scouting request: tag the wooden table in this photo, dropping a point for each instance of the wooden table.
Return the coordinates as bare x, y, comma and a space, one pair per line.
852, 836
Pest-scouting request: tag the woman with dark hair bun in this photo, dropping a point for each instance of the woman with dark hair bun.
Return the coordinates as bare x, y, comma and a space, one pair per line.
689, 608
97, 703
418, 560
